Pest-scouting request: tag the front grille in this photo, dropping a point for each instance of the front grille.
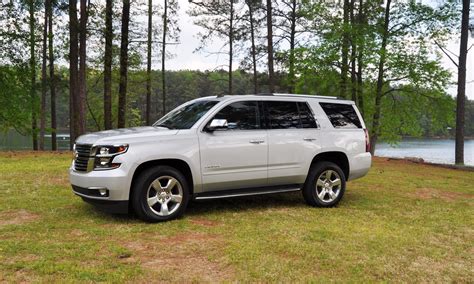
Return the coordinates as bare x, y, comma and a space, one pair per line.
83, 153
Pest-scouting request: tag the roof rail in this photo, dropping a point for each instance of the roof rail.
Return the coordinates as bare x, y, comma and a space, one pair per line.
299, 95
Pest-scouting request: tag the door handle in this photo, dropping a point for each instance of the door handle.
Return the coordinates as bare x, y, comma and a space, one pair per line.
256, 141
309, 139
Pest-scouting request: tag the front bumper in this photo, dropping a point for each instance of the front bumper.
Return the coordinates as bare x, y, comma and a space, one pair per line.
109, 206
116, 183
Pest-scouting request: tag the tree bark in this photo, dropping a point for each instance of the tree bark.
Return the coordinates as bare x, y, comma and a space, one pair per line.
44, 79
52, 79
380, 80
231, 44
353, 54
360, 63
123, 64
344, 51
254, 52
291, 70
148, 63
32, 24
108, 65
271, 83
73, 71
163, 54
461, 95
81, 102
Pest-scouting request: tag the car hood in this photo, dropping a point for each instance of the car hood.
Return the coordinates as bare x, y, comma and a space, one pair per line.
123, 135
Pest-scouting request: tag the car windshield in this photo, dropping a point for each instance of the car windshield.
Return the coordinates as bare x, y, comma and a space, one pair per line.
185, 117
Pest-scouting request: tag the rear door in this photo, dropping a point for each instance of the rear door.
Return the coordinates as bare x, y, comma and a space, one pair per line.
293, 141
236, 157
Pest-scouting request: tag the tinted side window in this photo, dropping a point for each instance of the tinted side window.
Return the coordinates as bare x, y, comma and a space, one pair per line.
307, 118
282, 115
341, 115
240, 115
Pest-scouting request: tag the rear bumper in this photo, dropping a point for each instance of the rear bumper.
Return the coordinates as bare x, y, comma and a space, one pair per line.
360, 165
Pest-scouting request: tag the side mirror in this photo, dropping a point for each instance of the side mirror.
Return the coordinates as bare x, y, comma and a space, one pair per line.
217, 124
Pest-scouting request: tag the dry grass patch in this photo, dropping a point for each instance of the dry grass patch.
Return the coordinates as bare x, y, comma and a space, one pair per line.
185, 257
17, 217
431, 193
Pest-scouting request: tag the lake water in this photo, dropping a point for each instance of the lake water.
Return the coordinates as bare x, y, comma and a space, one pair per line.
430, 150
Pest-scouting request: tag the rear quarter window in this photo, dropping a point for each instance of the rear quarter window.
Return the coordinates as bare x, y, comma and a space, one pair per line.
341, 115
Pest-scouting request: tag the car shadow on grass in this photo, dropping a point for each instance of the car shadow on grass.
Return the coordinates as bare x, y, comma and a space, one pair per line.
202, 208
245, 204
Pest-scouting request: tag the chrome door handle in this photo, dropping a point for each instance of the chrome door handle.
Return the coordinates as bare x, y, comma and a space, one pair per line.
256, 141
309, 139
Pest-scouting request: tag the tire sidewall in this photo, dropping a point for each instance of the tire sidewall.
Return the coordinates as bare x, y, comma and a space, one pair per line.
309, 191
139, 195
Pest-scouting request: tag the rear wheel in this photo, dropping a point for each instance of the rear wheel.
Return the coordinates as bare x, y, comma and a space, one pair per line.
159, 194
325, 185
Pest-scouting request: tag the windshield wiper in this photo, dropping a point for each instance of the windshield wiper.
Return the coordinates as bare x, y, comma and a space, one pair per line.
163, 125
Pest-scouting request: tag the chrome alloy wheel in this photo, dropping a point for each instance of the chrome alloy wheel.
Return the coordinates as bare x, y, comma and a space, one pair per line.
164, 195
328, 186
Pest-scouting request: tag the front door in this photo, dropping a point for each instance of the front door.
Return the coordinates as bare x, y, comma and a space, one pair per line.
235, 157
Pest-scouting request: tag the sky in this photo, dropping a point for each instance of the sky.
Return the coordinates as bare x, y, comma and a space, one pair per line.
185, 57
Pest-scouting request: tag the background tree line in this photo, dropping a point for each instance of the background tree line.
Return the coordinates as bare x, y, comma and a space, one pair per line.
87, 65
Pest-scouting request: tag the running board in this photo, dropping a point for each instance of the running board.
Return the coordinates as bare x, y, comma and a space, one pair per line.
246, 192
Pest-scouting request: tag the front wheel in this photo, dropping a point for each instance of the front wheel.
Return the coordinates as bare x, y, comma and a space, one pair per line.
159, 194
325, 185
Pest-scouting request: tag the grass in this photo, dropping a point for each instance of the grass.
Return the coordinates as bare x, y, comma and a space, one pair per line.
403, 222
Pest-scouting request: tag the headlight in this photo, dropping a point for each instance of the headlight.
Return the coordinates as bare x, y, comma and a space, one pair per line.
105, 154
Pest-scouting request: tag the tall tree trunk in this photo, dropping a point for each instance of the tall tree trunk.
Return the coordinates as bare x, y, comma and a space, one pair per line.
163, 54
231, 44
81, 104
344, 51
148, 63
461, 96
271, 83
32, 24
44, 79
353, 54
73, 71
380, 81
108, 65
360, 63
123, 64
254, 52
52, 80
291, 72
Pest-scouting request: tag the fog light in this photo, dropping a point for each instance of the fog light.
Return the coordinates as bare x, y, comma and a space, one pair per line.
104, 161
103, 192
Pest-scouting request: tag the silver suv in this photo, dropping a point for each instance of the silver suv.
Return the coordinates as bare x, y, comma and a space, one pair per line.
220, 147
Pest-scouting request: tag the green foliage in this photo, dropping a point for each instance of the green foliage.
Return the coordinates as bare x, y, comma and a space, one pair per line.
414, 99
14, 99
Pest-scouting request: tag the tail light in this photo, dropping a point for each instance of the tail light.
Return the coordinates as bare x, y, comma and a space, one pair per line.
367, 140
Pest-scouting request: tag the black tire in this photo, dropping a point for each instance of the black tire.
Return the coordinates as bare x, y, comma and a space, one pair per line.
143, 187
311, 190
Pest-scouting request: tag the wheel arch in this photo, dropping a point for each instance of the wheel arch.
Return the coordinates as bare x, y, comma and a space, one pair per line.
336, 157
178, 164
